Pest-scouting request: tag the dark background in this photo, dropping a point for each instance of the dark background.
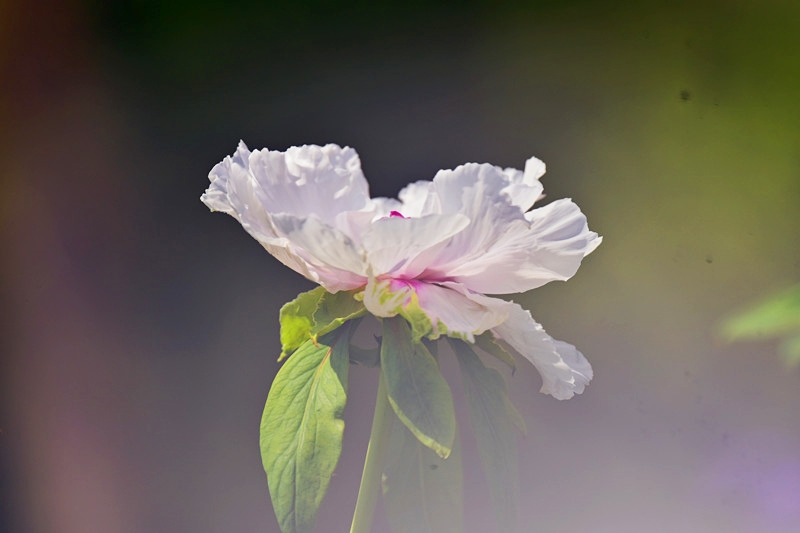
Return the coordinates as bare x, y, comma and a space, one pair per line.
139, 331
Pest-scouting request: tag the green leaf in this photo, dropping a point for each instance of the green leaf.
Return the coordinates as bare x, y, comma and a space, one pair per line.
492, 418
417, 391
422, 492
494, 346
302, 426
432, 346
333, 310
297, 320
369, 357
314, 313
775, 316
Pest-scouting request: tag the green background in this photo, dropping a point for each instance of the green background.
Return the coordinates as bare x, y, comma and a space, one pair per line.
140, 332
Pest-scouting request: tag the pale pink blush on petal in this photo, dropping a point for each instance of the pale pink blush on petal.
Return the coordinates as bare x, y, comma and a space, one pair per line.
392, 244
462, 317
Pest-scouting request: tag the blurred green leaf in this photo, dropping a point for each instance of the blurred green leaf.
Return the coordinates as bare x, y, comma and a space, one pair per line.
416, 388
493, 418
771, 318
422, 492
302, 427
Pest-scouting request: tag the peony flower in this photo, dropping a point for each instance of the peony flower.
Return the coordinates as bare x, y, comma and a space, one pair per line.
431, 256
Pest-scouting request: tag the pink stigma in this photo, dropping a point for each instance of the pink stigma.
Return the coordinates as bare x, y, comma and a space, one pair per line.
396, 214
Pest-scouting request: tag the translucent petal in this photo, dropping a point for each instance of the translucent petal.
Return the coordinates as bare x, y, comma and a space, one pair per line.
216, 196
392, 244
337, 261
310, 180
524, 188
564, 370
457, 315
549, 246
419, 199
476, 192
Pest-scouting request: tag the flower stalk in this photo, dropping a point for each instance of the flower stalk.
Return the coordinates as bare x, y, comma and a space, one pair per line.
373, 464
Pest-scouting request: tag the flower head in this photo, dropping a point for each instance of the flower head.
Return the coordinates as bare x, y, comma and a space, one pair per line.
430, 256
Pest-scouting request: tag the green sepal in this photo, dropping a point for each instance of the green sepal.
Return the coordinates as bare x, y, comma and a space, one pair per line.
493, 418
417, 391
422, 492
314, 313
418, 319
302, 427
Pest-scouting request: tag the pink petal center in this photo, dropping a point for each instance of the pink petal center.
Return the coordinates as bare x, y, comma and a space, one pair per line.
396, 284
396, 214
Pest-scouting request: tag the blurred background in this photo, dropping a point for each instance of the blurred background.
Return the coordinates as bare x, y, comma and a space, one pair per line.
140, 332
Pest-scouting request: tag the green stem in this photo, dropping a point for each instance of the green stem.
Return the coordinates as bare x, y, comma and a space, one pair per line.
373, 464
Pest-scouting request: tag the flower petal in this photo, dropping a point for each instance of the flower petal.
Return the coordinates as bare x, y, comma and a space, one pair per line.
383, 207
564, 370
477, 192
392, 244
563, 236
216, 196
549, 247
419, 199
530, 249
457, 315
524, 188
235, 191
331, 255
310, 180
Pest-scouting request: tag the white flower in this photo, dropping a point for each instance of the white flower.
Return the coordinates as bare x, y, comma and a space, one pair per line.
433, 254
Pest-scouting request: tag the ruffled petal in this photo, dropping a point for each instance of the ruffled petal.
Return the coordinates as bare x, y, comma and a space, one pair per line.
563, 237
564, 370
549, 246
456, 315
235, 191
232, 167
393, 244
336, 261
419, 199
266, 189
383, 207
310, 180
524, 188
475, 191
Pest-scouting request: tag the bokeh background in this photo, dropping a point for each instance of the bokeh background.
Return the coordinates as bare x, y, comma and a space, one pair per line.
139, 331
